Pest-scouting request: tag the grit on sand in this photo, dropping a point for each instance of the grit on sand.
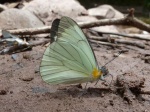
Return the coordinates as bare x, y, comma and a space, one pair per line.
23, 90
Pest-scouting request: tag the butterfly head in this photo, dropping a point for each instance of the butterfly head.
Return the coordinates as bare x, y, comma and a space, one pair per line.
104, 71
100, 73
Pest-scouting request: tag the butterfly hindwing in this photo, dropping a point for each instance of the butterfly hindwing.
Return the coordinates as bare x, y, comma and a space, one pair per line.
69, 59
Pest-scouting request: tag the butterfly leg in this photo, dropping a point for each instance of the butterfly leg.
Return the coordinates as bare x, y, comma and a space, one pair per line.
86, 85
96, 82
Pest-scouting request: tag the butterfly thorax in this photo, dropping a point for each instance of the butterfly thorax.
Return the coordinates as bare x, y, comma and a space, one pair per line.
96, 74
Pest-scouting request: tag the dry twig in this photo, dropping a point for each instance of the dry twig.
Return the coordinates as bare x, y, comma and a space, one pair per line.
133, 36
127, 20
118, 41
105, 43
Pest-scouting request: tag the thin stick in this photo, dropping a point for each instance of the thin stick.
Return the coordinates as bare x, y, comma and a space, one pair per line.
133, 36
106, 43
120, 41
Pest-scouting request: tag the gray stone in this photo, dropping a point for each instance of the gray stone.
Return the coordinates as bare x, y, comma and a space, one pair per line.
48, 10
105, 11
101, 12
15, 18
107, 28
85, 19
2, 7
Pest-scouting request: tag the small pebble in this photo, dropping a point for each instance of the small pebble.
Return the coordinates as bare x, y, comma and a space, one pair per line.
111, 102
27, 78
14, 57
11, 92
3, 92
36, 70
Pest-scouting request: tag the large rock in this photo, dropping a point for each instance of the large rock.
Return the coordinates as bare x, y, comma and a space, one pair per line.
106, 29
105, 11
14, 19
85, 19
48, 10
2, 7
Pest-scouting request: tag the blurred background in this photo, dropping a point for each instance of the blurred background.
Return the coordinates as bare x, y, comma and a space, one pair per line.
142, 6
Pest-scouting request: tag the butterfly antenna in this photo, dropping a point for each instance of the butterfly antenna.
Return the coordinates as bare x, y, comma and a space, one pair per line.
113, 58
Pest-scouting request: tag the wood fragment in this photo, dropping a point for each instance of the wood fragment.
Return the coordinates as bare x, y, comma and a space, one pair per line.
105, 43
132, 36
27, 79
133, 43
119, 41
22, 48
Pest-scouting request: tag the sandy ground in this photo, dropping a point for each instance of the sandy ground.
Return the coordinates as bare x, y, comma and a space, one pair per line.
23, 90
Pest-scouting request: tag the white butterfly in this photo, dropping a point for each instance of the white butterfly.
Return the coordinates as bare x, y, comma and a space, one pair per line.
70, 58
